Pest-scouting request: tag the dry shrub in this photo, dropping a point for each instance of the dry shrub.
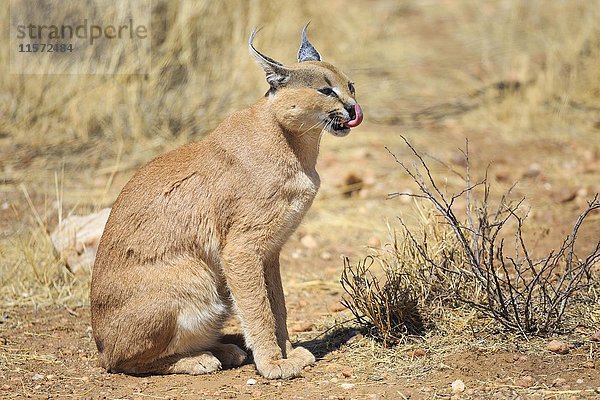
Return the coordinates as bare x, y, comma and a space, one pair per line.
464, 262
389, 310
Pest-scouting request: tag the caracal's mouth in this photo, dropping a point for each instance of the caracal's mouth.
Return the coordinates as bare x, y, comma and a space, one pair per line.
338, 126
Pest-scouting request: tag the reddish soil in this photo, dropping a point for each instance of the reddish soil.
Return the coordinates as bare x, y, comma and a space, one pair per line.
52, 355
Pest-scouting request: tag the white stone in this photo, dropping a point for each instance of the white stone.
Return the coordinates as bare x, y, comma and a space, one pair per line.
37, 377
76, 239
309, 242
458, 386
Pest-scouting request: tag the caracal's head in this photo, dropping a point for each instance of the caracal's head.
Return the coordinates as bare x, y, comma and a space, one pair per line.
311, 95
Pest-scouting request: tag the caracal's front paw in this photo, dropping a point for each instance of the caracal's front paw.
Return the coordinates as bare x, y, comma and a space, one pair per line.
203, 363
288, 367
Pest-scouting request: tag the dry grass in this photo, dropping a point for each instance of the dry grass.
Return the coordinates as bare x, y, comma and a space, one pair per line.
389, 307
35, 277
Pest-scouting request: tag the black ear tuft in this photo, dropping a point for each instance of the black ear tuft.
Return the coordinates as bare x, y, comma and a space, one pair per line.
277, 73
307, 51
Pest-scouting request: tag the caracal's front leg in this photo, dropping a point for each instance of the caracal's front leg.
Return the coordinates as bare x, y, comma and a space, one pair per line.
247, 281
277, 301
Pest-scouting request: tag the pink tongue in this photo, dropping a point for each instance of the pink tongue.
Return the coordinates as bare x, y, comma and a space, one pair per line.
357, 120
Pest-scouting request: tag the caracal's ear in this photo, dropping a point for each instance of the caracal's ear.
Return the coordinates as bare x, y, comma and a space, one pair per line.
307, 51
277, 73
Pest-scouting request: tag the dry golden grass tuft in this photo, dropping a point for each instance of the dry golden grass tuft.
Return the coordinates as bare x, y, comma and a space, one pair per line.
31, 275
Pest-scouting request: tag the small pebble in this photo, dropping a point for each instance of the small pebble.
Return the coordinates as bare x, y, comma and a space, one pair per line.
337, 307
347, 385
5, 387
579, 381
296, 254
525, 382
458, 386
559, 382
302, 327
352, 184
347, 373
532, 171
37, 377
596, 336
558, 347
502, 175
355, 337
308, 241
251, 381
417, 353
374, 242
458, 159
566, 195
362, 153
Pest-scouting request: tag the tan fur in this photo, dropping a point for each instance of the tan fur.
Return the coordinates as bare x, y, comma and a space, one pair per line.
196, 235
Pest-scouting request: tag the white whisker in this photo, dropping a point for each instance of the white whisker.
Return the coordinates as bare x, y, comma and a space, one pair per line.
314, 126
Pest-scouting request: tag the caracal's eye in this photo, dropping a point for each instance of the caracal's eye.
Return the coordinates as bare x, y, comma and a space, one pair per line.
351, 88
327, 91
